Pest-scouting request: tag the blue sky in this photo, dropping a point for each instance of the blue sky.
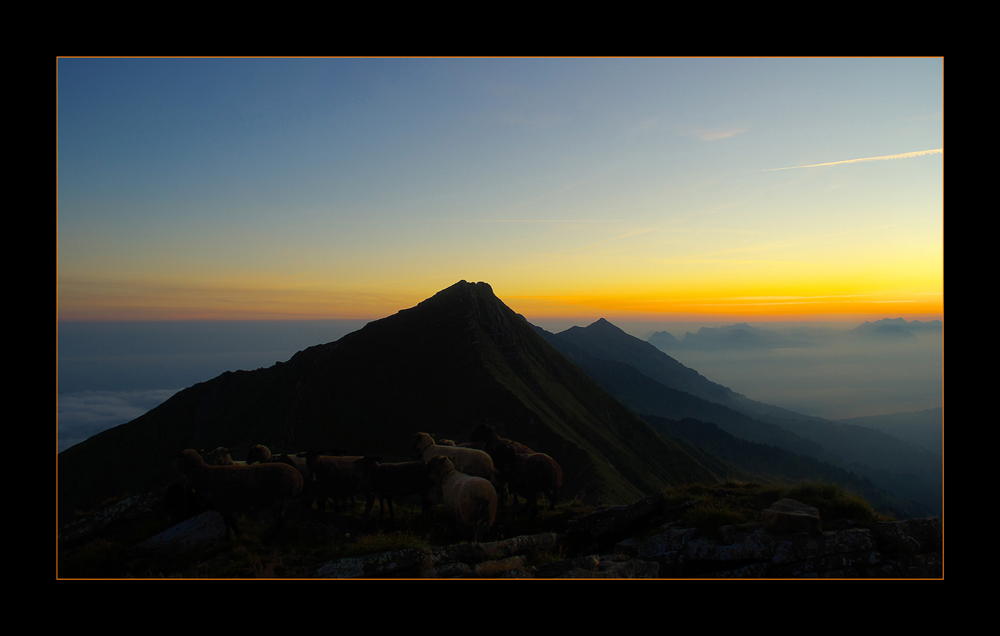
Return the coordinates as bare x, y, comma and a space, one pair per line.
643, 188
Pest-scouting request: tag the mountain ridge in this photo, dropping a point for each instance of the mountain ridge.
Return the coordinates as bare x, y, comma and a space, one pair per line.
891, 463
455, 360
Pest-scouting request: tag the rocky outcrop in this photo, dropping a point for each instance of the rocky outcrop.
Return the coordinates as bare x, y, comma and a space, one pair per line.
498, 559
788, 543
900, 549
119, 513
199, 531
643, 540
788, 515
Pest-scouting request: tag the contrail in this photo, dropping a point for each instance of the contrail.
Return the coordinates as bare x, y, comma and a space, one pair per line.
905, 155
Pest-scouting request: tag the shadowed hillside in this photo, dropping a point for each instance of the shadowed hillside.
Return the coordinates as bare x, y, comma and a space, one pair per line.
454, 361
650, 382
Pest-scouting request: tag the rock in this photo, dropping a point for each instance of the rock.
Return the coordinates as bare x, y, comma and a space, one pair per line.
788, 515
445, 562
608, 566
910, 536
381, 564
604, 528
125, 510
197, 532
512, 567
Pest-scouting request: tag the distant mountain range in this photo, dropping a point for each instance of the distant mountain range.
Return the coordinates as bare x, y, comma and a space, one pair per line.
586, 396
897, 328
739, 336
743, 336
923, 428
617, 361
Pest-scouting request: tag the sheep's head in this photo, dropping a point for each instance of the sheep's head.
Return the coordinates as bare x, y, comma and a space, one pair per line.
190, 460
421, 441
483, 433
259, 453
220, 456
438, 467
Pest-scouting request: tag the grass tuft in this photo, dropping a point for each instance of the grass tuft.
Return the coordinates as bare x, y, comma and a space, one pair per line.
834, 502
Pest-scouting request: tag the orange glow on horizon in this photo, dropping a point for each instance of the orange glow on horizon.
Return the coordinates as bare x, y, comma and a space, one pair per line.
624, 308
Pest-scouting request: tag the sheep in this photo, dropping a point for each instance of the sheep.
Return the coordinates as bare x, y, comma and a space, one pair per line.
220, 456
403, 478
472, 500
235, 489
466, 460
529, 474
337, 477
258, 453
487, 436
293, 460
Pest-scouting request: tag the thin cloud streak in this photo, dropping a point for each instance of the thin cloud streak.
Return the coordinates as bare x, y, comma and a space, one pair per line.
539, 220
905, 155
792, 302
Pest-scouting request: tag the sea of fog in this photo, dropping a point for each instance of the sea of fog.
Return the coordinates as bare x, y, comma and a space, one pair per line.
111, 373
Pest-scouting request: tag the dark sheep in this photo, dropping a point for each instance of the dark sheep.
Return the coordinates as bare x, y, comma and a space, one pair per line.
527, 475
403, 478
258, 453
231, 490
339, 478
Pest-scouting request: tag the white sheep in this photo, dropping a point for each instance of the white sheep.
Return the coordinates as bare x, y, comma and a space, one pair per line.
466, 460
472, 500
231, 490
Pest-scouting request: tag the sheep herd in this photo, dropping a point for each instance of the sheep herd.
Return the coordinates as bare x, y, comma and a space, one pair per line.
469, 476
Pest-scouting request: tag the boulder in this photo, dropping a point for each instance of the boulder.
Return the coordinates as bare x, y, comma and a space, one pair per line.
788, 515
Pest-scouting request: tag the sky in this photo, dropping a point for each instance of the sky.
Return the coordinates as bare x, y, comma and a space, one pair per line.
630, 189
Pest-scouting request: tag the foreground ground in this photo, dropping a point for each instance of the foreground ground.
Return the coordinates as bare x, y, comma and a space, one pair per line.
695, 531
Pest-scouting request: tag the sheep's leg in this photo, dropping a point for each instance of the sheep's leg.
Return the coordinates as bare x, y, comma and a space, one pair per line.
279, 522
321, 497
533, 503
231, 528
371, 504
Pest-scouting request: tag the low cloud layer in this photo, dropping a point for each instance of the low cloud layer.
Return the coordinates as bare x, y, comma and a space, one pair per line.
84, 414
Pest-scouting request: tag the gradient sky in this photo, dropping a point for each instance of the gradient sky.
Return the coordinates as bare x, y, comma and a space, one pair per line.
646, 189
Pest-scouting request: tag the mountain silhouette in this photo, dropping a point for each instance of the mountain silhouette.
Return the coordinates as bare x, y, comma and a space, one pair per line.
897, 327
654, 384
458, 359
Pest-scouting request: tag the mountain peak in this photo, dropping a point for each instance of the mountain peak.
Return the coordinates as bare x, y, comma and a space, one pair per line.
460, 289
601, 323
